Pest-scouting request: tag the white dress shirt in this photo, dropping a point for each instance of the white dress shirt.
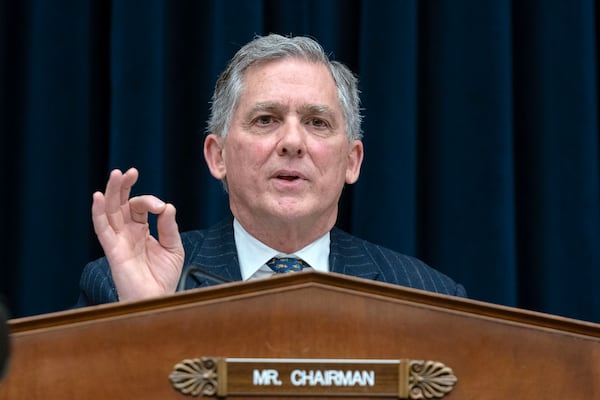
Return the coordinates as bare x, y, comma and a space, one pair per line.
253, 254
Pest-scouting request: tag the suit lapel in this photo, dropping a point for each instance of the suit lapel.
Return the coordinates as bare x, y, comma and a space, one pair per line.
349, 257
217, 253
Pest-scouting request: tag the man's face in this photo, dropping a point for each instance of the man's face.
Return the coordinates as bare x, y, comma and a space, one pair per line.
286, 156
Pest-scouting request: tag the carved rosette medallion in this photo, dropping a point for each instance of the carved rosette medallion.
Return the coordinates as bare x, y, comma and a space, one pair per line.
195, 377
429, 380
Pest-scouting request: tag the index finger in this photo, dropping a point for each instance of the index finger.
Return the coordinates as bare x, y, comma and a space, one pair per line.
140, 206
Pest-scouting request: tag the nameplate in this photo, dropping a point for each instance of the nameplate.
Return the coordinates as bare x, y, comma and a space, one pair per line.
231, 377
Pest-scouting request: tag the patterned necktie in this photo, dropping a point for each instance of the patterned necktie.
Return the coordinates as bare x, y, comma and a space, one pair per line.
286, 264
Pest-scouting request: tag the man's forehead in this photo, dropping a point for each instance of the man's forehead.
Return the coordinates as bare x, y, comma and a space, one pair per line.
261, 86
259, 71
305, 108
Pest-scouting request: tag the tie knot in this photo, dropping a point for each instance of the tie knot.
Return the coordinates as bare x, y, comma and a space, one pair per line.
286, 264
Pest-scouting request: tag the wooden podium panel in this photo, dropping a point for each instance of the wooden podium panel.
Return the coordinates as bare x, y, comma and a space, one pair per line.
128, 350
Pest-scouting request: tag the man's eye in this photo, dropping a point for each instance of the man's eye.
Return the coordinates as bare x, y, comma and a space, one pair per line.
264, 120
318, 123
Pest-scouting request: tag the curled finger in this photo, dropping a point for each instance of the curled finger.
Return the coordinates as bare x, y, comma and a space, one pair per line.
140, 206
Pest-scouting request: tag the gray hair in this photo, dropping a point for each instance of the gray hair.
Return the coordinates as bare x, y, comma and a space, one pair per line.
273, 47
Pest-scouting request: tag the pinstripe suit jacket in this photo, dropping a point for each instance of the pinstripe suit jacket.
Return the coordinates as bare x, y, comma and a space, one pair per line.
214, 251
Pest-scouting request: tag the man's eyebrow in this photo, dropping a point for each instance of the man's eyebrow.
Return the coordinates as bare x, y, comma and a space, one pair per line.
267, 106
319, 109
306, 109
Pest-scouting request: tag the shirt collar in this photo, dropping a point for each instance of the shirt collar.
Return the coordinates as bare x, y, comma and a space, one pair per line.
253, 254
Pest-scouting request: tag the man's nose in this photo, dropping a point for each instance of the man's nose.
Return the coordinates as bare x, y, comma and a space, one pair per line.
292, 142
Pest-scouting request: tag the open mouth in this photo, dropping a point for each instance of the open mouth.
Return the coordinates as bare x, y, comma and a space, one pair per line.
288, 177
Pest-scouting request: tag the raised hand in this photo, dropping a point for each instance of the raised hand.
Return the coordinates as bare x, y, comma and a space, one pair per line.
141, 265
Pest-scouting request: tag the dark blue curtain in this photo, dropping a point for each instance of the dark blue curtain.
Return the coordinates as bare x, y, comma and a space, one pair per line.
481, 132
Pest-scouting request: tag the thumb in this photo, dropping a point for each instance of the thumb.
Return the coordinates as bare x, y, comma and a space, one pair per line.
168, 231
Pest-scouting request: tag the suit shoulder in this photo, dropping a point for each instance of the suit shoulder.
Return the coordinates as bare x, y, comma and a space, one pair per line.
217, 239
395, 267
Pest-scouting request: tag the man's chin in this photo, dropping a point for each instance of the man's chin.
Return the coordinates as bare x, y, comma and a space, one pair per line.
300, 214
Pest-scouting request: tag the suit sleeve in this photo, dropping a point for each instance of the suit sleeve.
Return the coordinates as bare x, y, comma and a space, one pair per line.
96, 285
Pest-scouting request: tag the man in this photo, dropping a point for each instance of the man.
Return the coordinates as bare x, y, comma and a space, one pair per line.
284, 138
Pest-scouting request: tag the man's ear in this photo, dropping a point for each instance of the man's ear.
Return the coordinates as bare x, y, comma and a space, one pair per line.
214, 154
355, 158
